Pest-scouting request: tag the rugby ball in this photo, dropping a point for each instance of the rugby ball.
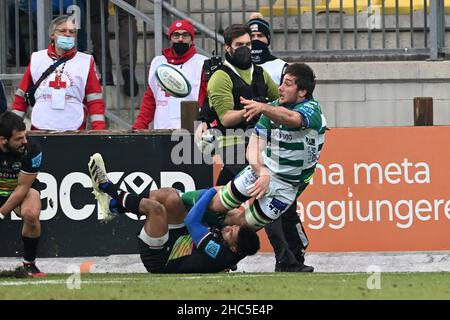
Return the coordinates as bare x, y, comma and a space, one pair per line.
172, 81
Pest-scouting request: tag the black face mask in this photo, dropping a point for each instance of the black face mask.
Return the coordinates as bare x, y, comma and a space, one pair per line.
260, 52
180, 48
241, 58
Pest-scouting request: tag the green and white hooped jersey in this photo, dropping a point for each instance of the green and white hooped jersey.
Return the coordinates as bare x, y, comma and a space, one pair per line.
292, 153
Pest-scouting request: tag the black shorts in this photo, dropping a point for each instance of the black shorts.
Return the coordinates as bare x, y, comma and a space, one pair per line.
155, 260
37, 185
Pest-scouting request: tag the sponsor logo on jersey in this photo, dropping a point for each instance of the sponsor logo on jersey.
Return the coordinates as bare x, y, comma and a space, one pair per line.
16, 166
8, 175
282, 136
36, 161
310, 141
212, 249
277, 206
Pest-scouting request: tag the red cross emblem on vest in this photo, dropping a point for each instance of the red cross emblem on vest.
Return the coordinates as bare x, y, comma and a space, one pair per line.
57, 84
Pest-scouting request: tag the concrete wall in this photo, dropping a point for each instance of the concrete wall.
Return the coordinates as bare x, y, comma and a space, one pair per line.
367, 94
357, 94
352, 93
360, 94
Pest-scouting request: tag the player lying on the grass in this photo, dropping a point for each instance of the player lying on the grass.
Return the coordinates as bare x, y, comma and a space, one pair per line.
171, 241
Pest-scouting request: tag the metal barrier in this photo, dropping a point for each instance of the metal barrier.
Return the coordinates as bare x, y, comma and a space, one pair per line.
308, 30
337, 29
39, 18
313, 29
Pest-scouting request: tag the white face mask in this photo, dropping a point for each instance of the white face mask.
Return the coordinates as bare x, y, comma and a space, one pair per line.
65, 43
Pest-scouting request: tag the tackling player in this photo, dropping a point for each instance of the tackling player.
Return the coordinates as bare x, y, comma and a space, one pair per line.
283, 151
171, 241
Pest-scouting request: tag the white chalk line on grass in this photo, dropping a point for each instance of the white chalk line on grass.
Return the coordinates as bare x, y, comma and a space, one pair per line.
140, 280
53, 282
152, 278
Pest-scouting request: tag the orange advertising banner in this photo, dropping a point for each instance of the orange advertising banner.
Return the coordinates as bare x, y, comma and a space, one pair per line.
379, 189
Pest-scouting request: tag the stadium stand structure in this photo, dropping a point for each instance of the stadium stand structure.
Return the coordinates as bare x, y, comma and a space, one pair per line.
348, 6
314, 39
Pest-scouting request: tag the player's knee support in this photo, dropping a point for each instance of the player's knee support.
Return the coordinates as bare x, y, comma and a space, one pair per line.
230, 197
255, 217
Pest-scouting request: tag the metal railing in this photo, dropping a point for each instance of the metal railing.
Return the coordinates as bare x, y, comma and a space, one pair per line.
160, 27
301, 30
335, 29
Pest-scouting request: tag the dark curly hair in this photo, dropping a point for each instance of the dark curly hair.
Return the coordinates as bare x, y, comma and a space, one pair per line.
9, 122
305, 77
247, 242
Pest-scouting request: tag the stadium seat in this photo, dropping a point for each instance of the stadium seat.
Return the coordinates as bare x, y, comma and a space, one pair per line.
348, 6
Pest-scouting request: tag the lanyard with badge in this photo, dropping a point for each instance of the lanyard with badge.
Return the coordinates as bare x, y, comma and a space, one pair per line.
31, 90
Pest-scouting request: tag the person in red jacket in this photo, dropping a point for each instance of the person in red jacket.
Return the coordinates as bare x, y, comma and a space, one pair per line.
159, 107
70, 93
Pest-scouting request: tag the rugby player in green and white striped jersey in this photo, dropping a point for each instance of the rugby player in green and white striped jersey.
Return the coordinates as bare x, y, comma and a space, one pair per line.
283, 151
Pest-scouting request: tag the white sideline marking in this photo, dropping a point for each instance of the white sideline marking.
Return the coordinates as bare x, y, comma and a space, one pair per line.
126, 280
55, 282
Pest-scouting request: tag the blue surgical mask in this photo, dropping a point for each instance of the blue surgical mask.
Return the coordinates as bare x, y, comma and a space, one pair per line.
65, 43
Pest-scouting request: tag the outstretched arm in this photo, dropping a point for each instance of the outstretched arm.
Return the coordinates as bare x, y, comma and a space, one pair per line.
278, 115
193, 220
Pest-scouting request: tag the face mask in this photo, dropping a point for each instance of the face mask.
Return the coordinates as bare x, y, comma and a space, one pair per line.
261, 52
65, 43
180, 48
241, 58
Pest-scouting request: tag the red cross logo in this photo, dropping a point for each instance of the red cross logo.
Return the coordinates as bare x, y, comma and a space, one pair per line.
57, 84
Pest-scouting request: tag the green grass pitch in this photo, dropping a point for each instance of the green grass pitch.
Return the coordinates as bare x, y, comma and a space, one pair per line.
229, 286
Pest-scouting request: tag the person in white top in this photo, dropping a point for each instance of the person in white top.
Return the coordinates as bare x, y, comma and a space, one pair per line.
286, 234
261, 54
64, 97
159, 107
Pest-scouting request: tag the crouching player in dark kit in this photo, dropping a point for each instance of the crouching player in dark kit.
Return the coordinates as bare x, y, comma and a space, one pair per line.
20, 162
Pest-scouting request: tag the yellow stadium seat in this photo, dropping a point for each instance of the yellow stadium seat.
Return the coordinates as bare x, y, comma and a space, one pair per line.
404, 6
348, 6
111, 9
291, 9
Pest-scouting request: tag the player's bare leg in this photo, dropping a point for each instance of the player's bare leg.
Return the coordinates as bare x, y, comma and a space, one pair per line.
29, 211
